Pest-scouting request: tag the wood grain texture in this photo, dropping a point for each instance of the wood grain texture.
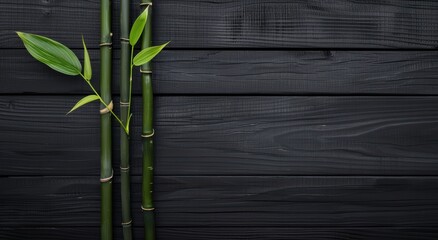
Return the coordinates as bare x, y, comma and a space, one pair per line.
245, 72
231, 233
230, 201
239, 23
235, 167
253, 135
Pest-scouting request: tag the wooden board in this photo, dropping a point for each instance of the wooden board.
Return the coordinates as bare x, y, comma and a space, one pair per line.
286, 157
239, 23
230, 201
253, 135
245, 72
230, 233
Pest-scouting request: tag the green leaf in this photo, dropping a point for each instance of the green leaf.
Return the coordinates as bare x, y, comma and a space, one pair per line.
138, 27
148, 54
51, 53
87, 62
84, 101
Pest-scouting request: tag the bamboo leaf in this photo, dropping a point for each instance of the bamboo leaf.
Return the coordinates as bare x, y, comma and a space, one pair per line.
148, 54
52, 53
84, 101
87, 62
138, 27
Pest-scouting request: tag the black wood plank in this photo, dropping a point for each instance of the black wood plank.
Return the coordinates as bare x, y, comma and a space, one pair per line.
230, 201
245, 72
230, 233
231, 136
239, 23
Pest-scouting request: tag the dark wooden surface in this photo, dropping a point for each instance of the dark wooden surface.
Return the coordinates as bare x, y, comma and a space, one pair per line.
263, 135
231, 233
230, 201
246, 72
239, 23
285, 119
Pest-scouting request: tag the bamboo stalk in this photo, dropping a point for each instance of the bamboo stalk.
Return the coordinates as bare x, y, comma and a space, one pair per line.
125, 68
105, 133
147, 133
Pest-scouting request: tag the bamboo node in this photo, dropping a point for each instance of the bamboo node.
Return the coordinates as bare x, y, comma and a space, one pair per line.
106, 44
148, 135
145, 71
103, 180
126, 224
124, 39
146, 4
124, 169
124, 103
108, 109
147, 209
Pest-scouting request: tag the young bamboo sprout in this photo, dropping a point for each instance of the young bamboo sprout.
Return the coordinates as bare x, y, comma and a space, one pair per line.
143, 57
62, 59
125, 79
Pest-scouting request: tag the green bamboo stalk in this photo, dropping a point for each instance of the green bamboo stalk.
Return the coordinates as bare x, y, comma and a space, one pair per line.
147, 133
125, 68
106, 173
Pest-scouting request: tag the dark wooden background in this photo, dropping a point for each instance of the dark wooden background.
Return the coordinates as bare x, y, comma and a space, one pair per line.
275, 119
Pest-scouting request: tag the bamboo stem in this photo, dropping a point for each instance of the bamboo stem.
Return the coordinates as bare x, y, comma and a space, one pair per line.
147, 133
107, 106
125, 103
105, 133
